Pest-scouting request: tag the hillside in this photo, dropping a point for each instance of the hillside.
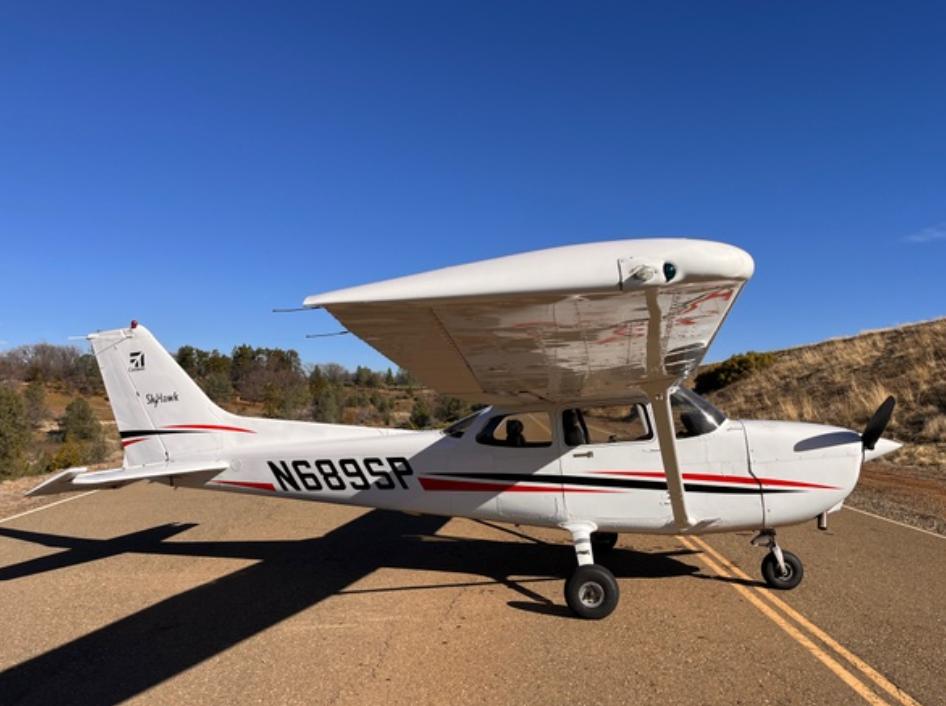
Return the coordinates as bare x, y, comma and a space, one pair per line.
842, 381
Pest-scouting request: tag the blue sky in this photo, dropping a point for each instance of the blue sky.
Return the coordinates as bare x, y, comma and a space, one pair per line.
193, 165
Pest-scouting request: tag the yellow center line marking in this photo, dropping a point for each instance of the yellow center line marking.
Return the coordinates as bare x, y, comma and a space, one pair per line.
750, 595
879, 679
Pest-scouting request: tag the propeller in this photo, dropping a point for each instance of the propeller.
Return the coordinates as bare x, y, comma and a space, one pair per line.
877, 423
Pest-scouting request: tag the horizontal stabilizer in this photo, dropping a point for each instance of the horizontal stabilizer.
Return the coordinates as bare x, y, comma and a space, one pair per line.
83, 479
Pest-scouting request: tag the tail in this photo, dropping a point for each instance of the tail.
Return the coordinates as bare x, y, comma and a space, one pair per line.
162, 415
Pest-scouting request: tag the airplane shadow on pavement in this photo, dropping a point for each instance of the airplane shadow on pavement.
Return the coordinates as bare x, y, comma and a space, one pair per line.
126, 657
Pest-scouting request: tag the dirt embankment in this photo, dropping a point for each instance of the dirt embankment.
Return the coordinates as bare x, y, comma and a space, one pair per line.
842, 381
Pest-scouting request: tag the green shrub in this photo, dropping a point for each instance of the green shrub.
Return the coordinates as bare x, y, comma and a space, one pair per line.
79, 422
730, 370
420, 414
82, 435
69, 455
450, 409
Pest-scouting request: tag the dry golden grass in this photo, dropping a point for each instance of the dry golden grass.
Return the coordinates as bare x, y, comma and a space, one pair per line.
843, 381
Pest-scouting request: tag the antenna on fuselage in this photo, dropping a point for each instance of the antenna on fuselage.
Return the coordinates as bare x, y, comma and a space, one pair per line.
327, 335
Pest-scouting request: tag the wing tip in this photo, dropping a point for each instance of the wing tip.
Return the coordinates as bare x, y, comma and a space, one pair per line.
59, 483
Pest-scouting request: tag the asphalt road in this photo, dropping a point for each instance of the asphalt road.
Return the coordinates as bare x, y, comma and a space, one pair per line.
179, 596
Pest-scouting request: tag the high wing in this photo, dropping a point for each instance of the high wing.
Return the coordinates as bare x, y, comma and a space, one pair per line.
581, 323
597, 321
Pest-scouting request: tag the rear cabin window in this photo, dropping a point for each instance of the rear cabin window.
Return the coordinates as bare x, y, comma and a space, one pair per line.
524, 430
606, 425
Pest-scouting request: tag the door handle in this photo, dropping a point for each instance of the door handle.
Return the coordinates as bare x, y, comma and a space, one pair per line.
584, 454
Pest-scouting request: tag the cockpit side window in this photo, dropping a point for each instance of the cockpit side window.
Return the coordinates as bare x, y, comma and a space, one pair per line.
606, 425
524, 430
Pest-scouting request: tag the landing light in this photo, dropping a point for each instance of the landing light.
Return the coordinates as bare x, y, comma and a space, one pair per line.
670, 271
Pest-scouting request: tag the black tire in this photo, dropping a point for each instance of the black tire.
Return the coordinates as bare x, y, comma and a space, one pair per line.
774, 578
592, 592
603, 542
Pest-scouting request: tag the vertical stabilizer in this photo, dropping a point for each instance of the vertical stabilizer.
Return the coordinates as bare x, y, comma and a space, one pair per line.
162, 414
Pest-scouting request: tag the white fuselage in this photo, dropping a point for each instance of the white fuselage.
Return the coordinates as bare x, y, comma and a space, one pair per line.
741, 475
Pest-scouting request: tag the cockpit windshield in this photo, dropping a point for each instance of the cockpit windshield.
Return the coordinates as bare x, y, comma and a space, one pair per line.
693, 415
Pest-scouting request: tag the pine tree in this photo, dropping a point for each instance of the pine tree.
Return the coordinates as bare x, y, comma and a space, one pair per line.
34, 398
325, 408
14, 433
218, 387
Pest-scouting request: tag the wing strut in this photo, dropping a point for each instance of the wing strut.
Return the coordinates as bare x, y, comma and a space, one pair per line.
663, 420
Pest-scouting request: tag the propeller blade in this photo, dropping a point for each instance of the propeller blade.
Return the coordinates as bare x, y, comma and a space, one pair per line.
875, 427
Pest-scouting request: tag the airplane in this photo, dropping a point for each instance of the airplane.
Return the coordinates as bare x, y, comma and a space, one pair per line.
580, 352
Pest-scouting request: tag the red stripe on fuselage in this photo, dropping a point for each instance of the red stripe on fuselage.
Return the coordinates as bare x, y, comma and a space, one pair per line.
129, 442
738, 480
248, 484
208, 427
486, 486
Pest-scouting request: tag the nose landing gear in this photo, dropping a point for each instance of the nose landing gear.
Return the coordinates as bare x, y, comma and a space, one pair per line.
780, 569
591, 591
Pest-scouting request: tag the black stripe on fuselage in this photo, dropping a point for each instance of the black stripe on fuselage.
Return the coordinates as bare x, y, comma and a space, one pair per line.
629, 483
156, 432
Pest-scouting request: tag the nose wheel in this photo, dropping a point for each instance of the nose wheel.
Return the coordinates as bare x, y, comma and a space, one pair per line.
591, 591
783, 577
780, 569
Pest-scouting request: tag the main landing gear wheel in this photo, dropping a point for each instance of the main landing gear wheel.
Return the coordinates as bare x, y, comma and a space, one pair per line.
592, 592
603, 542
776, 577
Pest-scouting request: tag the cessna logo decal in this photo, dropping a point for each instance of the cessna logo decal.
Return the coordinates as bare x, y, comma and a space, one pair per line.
156, 398
136, 360
302, 475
